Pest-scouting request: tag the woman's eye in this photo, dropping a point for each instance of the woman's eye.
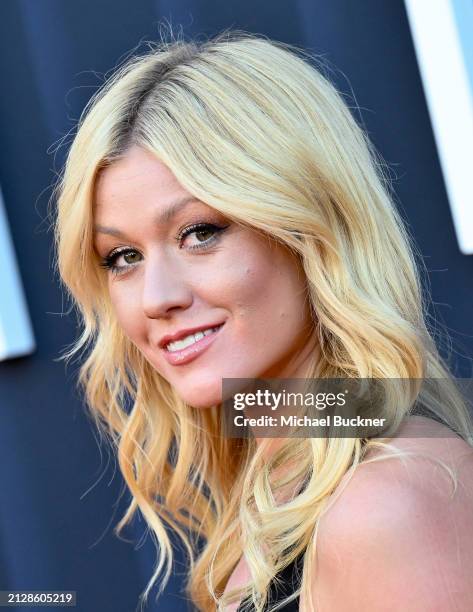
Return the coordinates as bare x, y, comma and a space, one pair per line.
196, 236
200, 235
131, 257
121, 260
204, 235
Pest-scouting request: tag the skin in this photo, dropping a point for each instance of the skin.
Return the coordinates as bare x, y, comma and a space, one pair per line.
240, 277
396, 539
254, 285
393, 540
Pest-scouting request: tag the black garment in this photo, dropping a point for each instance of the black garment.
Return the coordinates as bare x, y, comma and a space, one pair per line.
290, 581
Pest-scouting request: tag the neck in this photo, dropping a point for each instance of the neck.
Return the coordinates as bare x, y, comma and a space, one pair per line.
299, 367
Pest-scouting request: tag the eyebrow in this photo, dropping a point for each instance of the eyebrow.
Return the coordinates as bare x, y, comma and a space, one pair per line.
164, 217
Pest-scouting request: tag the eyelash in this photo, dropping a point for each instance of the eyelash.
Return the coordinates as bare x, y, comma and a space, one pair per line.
108, 262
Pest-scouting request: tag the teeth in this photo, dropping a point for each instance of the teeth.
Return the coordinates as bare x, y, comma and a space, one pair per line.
178, 345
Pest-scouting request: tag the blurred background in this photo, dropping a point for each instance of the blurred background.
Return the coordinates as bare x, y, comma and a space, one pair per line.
60, 492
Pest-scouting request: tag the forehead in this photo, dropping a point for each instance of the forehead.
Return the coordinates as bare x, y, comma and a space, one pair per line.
137, 176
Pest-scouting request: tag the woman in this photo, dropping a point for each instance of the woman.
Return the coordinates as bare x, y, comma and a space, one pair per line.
221, 215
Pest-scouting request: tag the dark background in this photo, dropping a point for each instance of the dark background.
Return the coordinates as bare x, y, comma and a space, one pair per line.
59, 492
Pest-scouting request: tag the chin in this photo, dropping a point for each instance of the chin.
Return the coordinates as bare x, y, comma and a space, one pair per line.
202, 394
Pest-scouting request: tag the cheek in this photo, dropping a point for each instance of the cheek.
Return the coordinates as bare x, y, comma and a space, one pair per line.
268, 295
127, 311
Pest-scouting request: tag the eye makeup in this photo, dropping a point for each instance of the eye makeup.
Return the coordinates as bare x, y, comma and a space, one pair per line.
200, 229
205, 235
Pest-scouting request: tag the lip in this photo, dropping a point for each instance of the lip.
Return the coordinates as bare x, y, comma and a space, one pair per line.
194, 350
182, 333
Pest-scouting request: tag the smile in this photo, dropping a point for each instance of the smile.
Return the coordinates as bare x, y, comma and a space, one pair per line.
189, 340
186, 349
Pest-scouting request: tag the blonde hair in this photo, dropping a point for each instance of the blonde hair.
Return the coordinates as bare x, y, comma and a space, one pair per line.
254, 129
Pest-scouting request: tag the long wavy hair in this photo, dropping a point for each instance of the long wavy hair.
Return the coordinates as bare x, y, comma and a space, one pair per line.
253, 128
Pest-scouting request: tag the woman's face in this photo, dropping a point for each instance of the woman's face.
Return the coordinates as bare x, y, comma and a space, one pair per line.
200, 296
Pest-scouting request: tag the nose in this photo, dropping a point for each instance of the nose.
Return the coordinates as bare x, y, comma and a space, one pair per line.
165, 288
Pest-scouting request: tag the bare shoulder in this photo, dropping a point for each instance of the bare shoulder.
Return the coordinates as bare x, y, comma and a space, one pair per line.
399, 533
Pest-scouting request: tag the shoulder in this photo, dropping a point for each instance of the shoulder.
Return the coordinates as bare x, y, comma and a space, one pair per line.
398, 534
